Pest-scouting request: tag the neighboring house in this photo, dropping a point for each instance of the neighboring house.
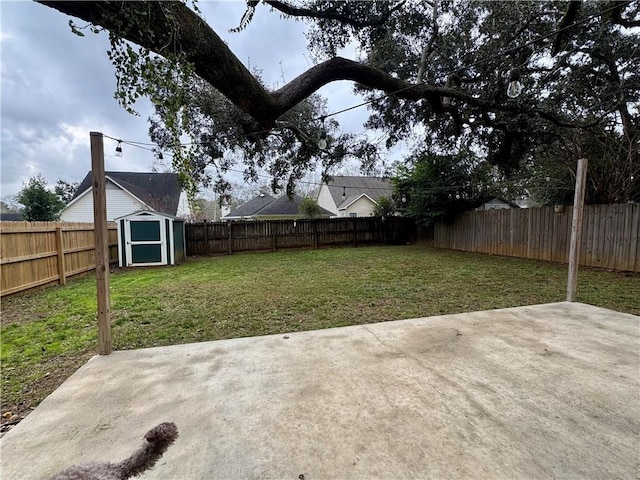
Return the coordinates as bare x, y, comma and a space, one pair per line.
349, 196
265, 207
496, 204
11, 217
129, 192
246, 210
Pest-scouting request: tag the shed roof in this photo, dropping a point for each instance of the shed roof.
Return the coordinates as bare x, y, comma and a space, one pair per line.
150, 213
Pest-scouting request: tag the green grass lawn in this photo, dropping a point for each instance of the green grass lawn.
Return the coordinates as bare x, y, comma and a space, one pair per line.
47, 335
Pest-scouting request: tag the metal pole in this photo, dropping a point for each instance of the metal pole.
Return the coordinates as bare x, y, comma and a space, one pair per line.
101, 236
576, 229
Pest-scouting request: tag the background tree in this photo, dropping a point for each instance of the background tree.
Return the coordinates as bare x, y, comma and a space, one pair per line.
65, 190
613, 170
385, 207
40, 203
309, 208
438, 187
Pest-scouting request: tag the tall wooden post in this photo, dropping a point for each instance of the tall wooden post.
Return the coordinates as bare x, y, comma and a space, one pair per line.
576, 229
101, 236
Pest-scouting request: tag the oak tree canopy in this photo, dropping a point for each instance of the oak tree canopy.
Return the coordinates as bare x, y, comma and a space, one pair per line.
435, 72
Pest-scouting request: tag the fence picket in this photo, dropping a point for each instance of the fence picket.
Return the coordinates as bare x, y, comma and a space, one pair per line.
34, 254
609, 234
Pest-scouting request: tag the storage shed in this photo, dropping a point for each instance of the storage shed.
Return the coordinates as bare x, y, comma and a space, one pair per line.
147, 238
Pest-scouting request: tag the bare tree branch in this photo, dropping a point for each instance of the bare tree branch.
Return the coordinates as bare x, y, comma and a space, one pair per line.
329, 15
428, 48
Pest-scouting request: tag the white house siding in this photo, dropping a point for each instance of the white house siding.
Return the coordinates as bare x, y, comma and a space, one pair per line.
119, 203
495, 204
325, 200
363, 207
183, 206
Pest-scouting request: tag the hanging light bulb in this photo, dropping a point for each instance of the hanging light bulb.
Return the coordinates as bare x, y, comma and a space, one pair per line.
322, 141
119, 149
344, 192
514, 89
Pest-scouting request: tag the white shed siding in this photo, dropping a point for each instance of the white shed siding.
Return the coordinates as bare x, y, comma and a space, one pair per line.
325, 200
119, 203
363, 207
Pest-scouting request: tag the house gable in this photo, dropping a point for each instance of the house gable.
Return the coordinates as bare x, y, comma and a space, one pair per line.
325, 199
128, 192
119, 203
161, 192
341, 188
497, 204
357, 206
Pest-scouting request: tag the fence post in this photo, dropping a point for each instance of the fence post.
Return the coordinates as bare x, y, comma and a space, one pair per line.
315, 233
355, 233
576, 229
274, 235
230, 238
206, 237
101, 235
61, 264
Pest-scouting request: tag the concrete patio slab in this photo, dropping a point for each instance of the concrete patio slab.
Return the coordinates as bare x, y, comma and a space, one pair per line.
546, 391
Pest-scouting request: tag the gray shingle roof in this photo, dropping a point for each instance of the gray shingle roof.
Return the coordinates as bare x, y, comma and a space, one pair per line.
161, 191
272, 207
287, 206
252, 206
374, 187
11, 217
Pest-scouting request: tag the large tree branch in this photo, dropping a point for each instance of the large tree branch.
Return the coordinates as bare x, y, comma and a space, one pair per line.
216, 63
292, 11
212, 58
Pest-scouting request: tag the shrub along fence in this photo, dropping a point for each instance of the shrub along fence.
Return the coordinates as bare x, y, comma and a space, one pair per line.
273, 235
610, 234
33, 254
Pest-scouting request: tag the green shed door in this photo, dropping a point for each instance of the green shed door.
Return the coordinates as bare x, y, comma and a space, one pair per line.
145, 242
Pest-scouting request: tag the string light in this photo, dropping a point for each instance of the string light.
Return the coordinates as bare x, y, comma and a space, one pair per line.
119, 149
514, 89
322, 142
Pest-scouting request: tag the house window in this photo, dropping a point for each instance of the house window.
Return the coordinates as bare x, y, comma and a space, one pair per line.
353, 214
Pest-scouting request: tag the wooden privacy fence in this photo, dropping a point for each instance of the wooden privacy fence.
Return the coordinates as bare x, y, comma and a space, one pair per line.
37, 253
273, 235
610, 234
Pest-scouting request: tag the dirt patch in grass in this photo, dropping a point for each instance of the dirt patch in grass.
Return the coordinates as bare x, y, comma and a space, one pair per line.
36, 384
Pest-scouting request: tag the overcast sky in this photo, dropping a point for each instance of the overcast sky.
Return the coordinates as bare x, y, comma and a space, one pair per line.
57, 87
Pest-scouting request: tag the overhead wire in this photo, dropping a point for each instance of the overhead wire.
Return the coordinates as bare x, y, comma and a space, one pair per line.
307, 182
